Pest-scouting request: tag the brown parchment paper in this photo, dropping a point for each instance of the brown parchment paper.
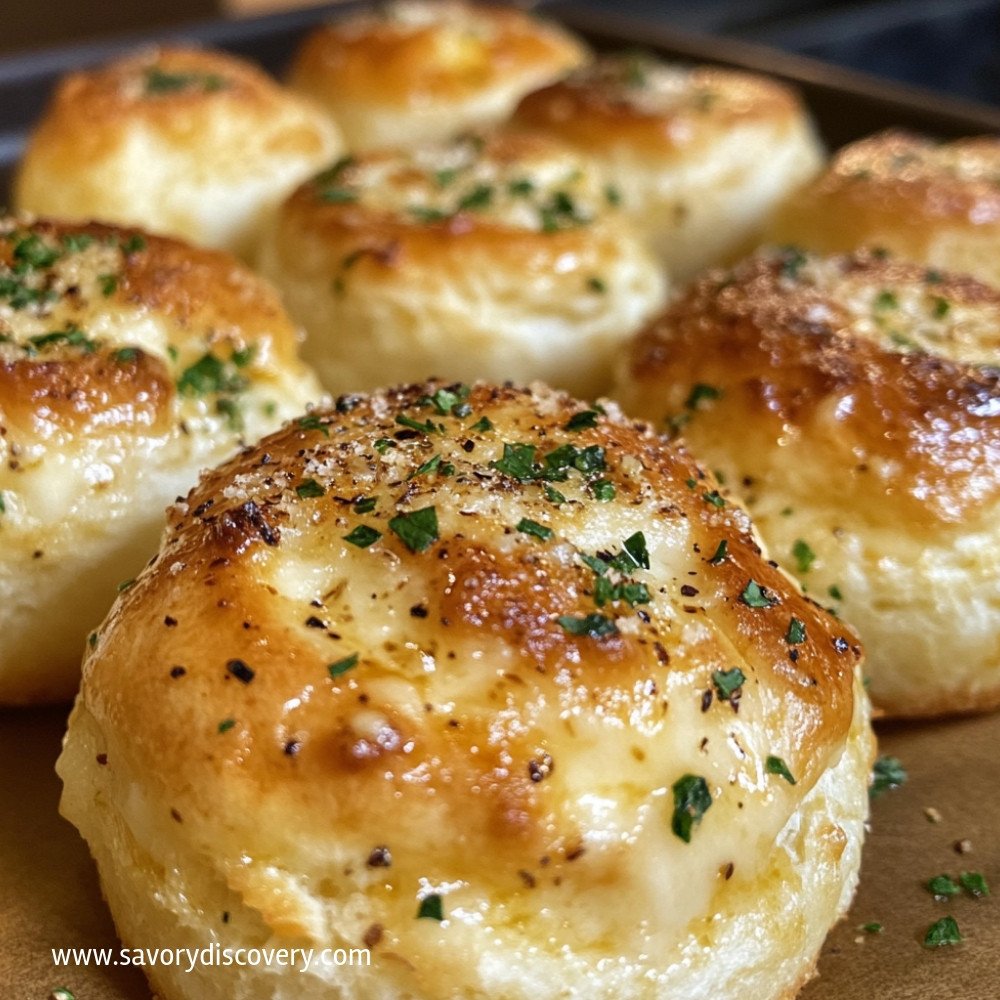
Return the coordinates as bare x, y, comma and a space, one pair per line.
49, 896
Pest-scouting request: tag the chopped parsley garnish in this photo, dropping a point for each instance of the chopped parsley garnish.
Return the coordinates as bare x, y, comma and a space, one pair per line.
942, 932
597, 284
974, 884
125, 585
943, 886
612, 195
32, 251
342, 666
941, 307
133, 244
518, 461
721, 553
559, 212
313, 423
429, 466
159, 81
338, 196
528, 527
692, 800
582, 420
382, 445
309, 488
887, 774
796, 633
72, 335
834, 592
756, 596
553, 495
447, 402
423, 214
792, 260
873, 927
479, 197
431, 907
362, 536
364, 505
77, 242
595, 626
108, 283
728, 682
243, 357
3, 505
417, 529
700, 391
521, 187
482, 425
803, 555
209, 375
603, 489
427, 427
126, 354
886, 300
635, 547
226, 725
445, 177
775, 765
714, 498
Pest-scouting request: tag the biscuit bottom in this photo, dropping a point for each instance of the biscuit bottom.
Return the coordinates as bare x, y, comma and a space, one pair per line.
763, 943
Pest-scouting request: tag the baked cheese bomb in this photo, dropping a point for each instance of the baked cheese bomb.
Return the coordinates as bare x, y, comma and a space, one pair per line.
424, 70
854, 403
185, 142
934, 203
127, 363
488, 682
500, 258
699, 156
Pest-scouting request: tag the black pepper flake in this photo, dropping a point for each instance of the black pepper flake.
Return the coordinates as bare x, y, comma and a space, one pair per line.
176, 672
169, 622
688, 591
225, 916
313, 622
468, 445
841, 645
577, 852
240, 670
102, 759
418, 611
539, 769
372, 936
292, 747
706, 699
176, 816
527, 878
380, 857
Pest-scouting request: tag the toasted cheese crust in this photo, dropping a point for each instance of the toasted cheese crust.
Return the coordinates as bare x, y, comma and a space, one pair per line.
852, 401
417, 71
463, 649
180, 141
127, 362
699, 155
500, 257
933, 203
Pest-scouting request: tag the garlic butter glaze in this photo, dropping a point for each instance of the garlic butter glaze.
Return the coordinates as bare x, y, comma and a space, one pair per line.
492, 682
127, 364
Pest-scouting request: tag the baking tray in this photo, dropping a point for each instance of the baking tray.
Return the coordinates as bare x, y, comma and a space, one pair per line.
49, 897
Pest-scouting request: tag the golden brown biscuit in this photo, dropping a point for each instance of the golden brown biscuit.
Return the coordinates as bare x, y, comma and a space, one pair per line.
933, 203
127, 363
854, 403
185, 142
493, 684
699, 155
416, 71
500, 258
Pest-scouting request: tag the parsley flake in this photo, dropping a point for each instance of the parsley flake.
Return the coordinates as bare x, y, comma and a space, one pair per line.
796, 633
721, 553
431, 908
943, 886
775, 765
528, 527
309, 488
942, 933
582, 420
887, 774
417, 529
803, 555
342, 666
363, 536
756, 596
728, 682
692, 800
594, 626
